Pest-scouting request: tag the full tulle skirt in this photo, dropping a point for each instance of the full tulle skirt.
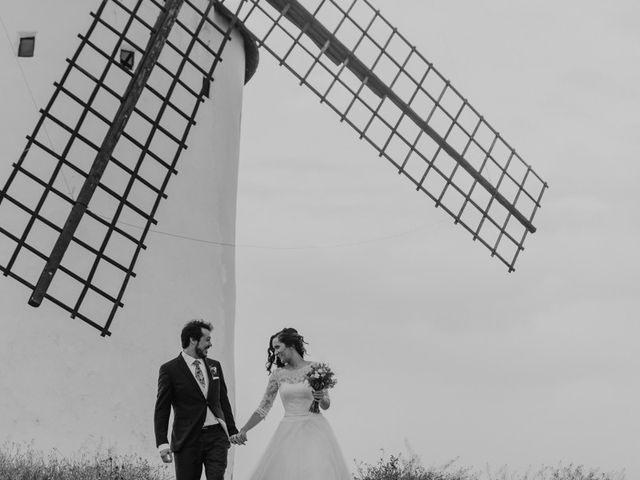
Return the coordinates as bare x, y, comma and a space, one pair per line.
303, 447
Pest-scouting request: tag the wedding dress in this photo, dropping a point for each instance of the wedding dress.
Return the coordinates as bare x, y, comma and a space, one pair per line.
304, 446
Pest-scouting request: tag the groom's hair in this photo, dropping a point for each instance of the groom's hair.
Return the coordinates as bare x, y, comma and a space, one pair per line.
193, 329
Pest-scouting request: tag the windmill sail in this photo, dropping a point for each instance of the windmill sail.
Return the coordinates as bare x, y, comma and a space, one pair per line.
124, 151
97, 249
358, 64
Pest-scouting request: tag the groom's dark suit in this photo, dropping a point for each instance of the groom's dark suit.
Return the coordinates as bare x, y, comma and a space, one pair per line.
177, 387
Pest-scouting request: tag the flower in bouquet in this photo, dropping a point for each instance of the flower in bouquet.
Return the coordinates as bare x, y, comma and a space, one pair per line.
320, 377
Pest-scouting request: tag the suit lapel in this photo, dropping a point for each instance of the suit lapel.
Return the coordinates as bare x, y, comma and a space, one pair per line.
209, 376
221, 419
184, 368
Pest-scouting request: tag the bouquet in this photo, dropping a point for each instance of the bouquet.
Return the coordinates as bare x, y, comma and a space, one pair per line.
320, 377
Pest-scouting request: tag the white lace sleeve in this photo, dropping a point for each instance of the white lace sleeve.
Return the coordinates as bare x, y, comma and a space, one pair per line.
269, 396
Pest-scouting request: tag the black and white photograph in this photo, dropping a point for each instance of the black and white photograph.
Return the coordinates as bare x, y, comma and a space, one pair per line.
319, 240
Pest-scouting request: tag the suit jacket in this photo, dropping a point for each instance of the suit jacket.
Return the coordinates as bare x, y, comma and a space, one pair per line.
178, 388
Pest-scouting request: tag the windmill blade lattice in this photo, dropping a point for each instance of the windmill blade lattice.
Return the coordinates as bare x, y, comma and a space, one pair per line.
39, 199
356, 62
342, 50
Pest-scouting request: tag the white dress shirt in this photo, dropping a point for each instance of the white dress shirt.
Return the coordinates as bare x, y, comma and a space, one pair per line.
210, 419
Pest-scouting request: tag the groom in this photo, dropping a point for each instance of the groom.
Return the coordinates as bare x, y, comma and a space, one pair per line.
194, 386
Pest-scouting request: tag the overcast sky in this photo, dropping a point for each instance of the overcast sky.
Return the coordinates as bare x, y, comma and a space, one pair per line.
434, 343
438, 349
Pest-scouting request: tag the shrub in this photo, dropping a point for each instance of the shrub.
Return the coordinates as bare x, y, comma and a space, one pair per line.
24, 463
566, 472
395, 467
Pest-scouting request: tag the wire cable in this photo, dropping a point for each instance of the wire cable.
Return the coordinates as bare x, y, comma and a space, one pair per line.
299, 247
33, 98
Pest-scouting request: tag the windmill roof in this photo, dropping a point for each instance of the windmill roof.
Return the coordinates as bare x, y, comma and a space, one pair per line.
250, 47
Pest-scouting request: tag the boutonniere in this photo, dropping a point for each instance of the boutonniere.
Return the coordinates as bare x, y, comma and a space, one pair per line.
213, 370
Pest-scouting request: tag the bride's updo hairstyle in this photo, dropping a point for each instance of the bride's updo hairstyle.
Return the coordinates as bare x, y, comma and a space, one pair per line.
290, 338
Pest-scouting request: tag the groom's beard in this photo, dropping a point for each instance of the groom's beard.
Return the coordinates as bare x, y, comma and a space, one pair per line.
201, 353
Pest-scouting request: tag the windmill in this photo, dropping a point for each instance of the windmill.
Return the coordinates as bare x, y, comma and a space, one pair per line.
343, 51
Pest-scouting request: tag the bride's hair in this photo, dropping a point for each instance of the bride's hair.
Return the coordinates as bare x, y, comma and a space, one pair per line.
290, 338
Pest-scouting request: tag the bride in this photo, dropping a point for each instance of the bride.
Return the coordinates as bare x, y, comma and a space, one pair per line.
304, 445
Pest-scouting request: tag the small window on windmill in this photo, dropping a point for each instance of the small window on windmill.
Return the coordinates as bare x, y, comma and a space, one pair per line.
206, 87
27, 45
127, 58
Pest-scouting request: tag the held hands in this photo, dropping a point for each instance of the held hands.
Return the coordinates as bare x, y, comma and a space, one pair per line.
239, 438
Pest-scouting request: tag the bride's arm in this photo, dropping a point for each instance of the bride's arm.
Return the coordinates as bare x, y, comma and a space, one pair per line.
254, 419
263, 409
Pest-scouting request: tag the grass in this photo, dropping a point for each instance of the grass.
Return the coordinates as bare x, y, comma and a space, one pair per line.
396, 467
24, 463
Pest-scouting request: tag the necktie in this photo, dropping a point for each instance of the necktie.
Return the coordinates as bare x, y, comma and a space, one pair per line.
199, 374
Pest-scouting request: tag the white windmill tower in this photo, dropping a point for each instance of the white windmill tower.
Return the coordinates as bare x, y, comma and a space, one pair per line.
108, 397
77, 249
